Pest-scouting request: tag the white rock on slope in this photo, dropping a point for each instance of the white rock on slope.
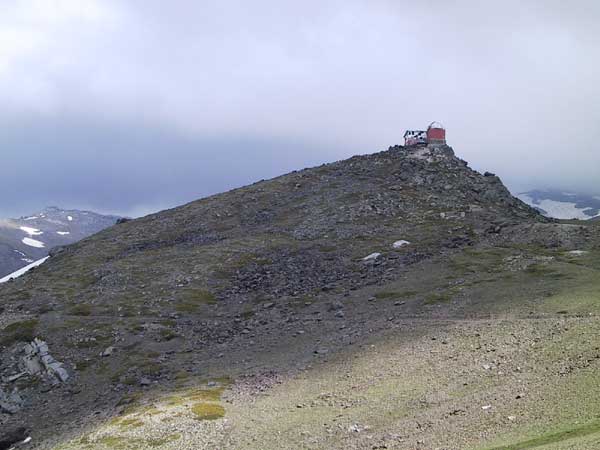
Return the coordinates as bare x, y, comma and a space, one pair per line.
399, 244
372, 256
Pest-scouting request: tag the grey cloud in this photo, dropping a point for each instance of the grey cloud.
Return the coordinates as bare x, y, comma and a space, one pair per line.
182, 88
120, 168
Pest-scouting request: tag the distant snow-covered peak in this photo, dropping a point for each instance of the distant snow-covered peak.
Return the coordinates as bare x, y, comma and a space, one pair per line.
30, 237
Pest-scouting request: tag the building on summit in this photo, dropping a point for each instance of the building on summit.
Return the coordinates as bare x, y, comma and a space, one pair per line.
435, 134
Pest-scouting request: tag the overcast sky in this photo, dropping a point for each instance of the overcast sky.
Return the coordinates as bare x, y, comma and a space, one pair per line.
130, 106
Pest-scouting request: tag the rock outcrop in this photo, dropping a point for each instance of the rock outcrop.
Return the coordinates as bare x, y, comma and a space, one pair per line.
37, 360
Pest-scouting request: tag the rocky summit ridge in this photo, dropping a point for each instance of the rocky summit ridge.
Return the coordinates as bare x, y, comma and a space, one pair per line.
256, 281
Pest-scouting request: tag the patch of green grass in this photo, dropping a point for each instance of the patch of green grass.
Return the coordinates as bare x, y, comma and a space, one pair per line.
196, 395
208, 411
213, 395
439, 297
168, 335
148, 410
249, 258
351, 197
81, 309
182, 375
21, 295
539, 269
116, 442
130, 380
162, 441
551, 438
129, 399
26, 382
85, 280
247, 313
151, 368
186, 308
131, 423
43, 309
584, 298
24, 331
83, 365
120, 442
327, 248
175, 400
129, 311
137, 328
190, 299
480, 260
392, 294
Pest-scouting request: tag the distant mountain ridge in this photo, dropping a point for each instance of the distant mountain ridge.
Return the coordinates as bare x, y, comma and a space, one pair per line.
563, 205
30, 238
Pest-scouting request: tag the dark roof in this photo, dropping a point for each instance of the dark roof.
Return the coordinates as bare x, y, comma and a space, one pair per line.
413, 132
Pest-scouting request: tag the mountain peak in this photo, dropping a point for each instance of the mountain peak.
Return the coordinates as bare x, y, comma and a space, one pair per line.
425, 195
212, 284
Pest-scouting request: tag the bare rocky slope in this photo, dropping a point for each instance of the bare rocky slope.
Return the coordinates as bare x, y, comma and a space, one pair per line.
375, 302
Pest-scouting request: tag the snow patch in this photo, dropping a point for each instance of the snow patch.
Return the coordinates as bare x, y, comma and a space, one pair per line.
558, 210
70, 218
63, 233
31, 218
31, 231
33, 243
399, 244
23, 270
